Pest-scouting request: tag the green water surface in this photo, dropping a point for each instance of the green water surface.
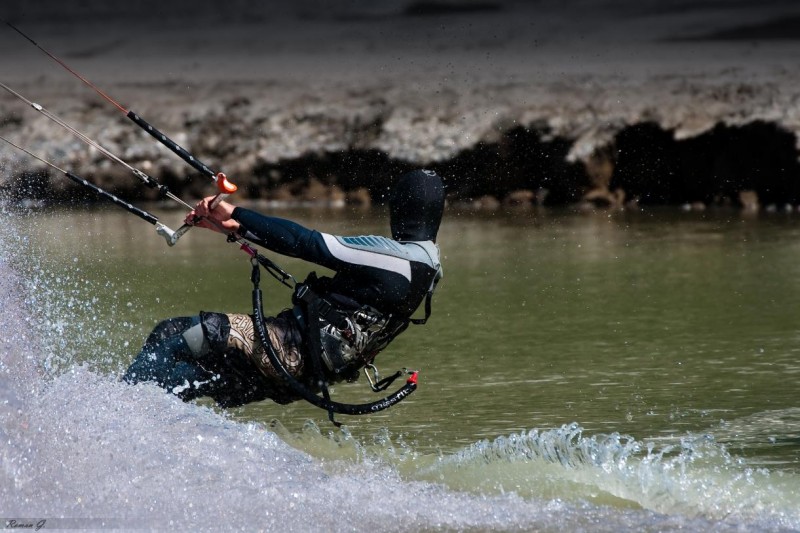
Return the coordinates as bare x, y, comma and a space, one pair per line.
653, 323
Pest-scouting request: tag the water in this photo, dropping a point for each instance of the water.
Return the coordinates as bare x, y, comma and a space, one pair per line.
581, 371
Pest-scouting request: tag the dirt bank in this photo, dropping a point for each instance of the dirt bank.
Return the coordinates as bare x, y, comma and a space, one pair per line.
510, 102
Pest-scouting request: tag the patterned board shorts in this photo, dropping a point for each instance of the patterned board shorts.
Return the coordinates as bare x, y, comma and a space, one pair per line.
235, 335
283, 336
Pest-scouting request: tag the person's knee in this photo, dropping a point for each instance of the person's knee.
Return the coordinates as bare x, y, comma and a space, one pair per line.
153, 363
182, 355
171, 327
156, 360
196, 340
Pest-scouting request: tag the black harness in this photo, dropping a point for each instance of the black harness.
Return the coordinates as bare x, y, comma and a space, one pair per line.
313, 308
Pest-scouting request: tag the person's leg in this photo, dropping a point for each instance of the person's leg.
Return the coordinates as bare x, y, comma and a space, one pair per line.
169, 358
195, 356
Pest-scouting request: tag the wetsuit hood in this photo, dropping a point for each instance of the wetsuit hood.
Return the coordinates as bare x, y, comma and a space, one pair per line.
416, 206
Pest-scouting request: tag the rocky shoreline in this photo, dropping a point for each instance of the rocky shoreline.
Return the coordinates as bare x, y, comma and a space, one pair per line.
504, 123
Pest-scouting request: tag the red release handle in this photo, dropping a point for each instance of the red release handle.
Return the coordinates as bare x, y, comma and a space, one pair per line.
225, 186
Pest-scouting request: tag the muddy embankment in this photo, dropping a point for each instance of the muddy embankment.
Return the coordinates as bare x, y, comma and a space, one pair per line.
695, 141
556, 102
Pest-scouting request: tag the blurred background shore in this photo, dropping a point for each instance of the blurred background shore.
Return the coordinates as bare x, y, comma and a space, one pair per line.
613, 103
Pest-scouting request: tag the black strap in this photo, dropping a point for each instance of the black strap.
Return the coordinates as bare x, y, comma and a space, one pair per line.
384, 383
428, 298
420, 321
304, 392
307, 298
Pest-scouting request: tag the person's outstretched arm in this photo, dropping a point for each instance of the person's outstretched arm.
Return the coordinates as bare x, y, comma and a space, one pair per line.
277, 234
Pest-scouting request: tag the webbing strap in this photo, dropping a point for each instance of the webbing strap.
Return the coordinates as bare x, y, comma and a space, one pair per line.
308, 299
420, 321
428, 298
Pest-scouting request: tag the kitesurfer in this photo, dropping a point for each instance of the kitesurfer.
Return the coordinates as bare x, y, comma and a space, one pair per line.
378, 284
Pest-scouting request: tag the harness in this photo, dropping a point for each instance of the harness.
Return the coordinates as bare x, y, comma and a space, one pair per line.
351, 335
320, 319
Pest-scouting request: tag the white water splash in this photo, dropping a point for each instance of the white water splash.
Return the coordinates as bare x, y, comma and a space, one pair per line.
695, 477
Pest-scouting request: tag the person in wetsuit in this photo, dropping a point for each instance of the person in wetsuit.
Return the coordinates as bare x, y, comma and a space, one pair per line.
378, 284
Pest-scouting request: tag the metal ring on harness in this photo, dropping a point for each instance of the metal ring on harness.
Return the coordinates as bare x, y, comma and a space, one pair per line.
329, 405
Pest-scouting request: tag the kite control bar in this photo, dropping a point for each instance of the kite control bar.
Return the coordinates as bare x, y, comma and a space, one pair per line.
224, 186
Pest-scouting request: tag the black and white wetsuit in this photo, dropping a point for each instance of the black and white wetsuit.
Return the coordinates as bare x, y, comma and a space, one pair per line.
390, 276
378, 284
218, 355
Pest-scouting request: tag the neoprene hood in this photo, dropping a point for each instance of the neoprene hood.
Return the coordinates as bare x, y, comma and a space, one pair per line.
416, 206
